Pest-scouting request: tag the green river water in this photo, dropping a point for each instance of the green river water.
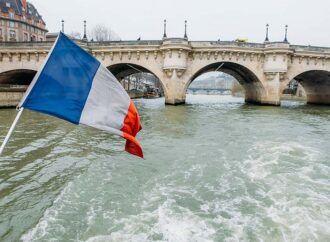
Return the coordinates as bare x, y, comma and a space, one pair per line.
215, 169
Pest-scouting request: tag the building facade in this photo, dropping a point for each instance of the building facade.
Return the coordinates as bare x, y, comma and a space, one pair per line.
20, 22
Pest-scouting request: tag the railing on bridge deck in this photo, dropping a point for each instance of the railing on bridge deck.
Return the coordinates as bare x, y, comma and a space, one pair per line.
310, 48
126, 42
228, 43
26, 44
194, 44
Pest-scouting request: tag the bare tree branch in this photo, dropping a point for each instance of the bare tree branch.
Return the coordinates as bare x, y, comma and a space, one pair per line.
103, 33
75, 35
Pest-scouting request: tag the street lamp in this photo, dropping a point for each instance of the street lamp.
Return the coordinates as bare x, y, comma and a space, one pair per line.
62, 25
267, 29
185, 30
286, 34
165, 35
85, 31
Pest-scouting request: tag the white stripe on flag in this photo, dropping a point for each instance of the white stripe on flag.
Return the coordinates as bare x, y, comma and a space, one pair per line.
107, 103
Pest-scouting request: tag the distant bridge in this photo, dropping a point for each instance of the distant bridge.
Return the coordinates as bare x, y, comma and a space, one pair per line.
263, 69
208, 90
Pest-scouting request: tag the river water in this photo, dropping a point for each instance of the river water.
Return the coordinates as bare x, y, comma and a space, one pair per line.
216, 169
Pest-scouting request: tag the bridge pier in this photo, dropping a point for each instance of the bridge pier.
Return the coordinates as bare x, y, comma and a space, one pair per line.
175, 93
272, 93
175, 102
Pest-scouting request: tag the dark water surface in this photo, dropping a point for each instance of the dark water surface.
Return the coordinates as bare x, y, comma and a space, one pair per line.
215, 170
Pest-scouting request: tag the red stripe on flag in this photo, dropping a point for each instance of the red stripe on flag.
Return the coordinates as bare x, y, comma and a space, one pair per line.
131, 127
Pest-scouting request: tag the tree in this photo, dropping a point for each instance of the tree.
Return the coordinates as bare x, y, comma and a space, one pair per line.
237, 89
75, 35
103, 33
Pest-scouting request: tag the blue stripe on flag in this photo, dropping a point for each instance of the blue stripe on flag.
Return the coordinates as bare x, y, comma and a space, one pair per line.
63, 85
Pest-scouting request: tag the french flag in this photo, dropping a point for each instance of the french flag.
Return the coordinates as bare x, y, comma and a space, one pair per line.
74, 86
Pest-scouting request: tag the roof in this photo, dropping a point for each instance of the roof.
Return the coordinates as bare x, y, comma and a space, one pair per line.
17, 6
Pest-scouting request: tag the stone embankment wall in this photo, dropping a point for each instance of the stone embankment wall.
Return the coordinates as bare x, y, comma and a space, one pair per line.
10, 99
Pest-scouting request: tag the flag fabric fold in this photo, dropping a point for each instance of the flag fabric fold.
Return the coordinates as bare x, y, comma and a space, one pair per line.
74, 86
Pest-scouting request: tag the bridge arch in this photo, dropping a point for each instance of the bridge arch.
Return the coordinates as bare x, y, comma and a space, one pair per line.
249, 80
315, 82
20, 77
122, 70
13, 84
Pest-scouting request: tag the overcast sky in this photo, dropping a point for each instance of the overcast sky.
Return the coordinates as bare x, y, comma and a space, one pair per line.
308, 20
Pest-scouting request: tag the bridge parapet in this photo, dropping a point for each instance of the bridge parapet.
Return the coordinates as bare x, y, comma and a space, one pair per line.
310, 48
25, 44
276, 57
124, 43
217, 44
175, 44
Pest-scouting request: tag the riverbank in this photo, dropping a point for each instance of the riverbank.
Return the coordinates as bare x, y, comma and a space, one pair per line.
10, 97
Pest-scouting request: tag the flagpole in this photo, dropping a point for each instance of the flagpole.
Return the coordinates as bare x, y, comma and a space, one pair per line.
11, 130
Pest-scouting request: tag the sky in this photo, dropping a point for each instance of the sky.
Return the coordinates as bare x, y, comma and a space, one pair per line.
308, 20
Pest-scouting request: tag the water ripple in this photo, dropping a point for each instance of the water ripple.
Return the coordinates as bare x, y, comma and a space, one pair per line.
215, 170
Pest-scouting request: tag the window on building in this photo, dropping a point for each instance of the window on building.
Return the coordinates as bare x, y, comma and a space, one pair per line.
33, 38
12, 24
41, 39
26, 37
8, 5
11, 15
12, 35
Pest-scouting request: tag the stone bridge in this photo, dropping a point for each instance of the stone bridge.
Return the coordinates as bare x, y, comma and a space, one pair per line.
264, 70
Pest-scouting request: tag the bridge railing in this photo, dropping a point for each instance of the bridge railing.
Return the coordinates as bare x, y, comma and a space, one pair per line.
91, 44
126, 42
26, 44
228, 43
310, 48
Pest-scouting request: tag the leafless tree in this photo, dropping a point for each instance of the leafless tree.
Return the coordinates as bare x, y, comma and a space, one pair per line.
103, 33
237, 89
75, 35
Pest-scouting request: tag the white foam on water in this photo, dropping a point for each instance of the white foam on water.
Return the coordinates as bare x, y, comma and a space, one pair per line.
232, 222
299, 223
106, 238
49, 217
205, 208
298, 209
91, 215
265, 156
162, 224
285, 208
182, 227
